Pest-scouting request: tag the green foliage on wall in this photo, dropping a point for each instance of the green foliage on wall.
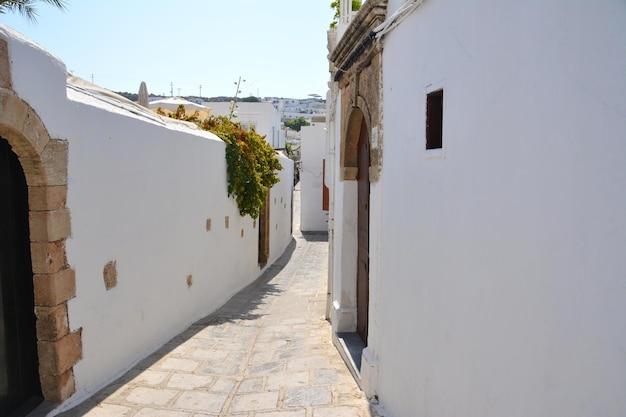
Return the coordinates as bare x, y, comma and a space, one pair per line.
251, 163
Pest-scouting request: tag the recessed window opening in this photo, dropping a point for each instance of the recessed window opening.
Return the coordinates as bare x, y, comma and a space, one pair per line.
434, 120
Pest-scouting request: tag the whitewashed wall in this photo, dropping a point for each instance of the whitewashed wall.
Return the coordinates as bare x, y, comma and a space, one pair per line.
312, 153
502, 257
140, 192
281, 210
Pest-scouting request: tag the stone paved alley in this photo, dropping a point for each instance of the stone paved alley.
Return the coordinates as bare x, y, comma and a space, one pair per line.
266, 353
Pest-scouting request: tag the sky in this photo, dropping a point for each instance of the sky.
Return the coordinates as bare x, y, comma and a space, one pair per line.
277, 46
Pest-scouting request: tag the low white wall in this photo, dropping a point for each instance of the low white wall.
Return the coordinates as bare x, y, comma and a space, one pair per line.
141, 193
312, 153
502, 260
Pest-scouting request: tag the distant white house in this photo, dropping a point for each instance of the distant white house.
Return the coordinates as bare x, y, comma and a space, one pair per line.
172, 103
478, 206
261, 116
313, 190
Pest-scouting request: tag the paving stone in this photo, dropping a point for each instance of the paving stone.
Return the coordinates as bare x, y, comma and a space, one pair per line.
254, 402
205, 402
270, 346
264, 356
339, 412
250, 385
224, 385
302, 397
295, 413
326, 377
151, 396
189, 381
232, 345
107, 410
204, 353
296, 352
297, 379
312, 362
266, 368
151, 412
148, 377
176, 364
221, 368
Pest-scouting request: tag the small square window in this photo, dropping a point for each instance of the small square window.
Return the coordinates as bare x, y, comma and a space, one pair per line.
434, 120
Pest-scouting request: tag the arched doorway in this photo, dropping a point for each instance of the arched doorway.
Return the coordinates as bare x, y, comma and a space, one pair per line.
43, 163
20, 388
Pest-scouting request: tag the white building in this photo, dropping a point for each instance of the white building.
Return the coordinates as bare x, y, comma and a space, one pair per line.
263, 117
494, 139
117, 231
313, 190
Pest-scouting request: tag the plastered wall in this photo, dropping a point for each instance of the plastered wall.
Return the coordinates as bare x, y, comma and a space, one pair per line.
155, 242
313, 148
503, 252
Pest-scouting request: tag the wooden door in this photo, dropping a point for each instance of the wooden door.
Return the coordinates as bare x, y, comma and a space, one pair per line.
20, 389
363, 260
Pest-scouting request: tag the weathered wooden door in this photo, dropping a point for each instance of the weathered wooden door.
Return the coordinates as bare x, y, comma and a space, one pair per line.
20, 389
363, 257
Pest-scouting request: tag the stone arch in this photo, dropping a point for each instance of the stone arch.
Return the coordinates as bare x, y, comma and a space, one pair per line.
358, 116
44, 162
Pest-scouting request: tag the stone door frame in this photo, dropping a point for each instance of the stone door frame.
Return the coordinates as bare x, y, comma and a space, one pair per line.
44, 161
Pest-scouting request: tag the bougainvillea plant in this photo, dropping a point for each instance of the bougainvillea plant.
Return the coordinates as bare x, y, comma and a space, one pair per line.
252, 164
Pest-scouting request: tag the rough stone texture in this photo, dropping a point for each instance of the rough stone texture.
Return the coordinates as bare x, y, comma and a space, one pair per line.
62, 354
5, 65
53, 289
52, 322
54, 159
266, 353
35, 131
58, 387
49, 226
110, 275
47, 198
14, 112
48, 257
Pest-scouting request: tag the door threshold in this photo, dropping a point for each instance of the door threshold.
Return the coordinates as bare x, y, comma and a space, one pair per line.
350, 347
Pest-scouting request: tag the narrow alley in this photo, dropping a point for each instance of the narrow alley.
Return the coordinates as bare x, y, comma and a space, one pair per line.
266, 353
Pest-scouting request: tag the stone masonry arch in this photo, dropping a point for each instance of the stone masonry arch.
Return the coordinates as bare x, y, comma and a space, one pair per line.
350, 139
44, 161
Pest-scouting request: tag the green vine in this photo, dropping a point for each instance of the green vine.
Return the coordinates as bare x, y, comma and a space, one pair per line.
251, 163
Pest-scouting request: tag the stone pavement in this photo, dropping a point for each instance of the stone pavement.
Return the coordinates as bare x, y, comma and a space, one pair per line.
266, 353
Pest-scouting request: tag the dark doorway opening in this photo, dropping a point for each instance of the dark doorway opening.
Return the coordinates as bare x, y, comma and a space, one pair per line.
20, 388
363, 256
264, 232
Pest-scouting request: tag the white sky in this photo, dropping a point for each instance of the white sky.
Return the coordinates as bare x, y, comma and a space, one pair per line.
277, 46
